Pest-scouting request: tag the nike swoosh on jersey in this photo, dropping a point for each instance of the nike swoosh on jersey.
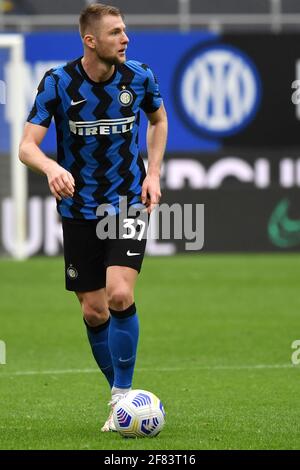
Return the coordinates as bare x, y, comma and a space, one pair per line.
73, 103
132, 254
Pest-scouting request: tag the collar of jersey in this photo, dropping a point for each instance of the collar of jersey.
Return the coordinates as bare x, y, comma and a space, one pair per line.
85, 75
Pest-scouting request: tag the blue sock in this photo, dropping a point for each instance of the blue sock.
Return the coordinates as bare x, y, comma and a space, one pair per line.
98, 338
122, 340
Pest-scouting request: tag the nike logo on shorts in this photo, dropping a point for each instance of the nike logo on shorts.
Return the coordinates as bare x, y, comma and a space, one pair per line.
73, 103
132, 254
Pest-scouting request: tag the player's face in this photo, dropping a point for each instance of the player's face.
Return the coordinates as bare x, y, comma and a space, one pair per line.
111, 40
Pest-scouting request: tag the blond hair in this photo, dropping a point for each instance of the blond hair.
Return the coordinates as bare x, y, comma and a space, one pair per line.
95, 12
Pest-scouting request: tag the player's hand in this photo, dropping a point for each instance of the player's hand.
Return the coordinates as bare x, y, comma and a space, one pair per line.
151, 192
61, 182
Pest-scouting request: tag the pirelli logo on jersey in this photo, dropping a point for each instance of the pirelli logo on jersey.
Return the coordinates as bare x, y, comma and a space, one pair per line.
102, 127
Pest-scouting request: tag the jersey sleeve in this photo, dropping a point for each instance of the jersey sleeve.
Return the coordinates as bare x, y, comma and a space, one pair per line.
152, 99
45, 102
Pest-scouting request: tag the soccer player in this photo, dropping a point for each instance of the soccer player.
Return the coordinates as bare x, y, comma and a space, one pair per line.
96, 101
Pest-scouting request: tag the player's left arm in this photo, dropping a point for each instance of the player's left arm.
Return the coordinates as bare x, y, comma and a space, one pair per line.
156, 144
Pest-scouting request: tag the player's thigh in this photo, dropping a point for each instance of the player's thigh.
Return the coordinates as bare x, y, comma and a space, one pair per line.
120, 277
120, 282
123, 258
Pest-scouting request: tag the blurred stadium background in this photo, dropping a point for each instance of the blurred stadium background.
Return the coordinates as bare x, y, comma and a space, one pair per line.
226, 69
228, 135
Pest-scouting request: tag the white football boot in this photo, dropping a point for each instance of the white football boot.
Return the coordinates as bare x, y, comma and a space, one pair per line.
109, 424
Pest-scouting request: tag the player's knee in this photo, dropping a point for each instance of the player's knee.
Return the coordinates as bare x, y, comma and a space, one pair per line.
120, 298
95, 318
94, 315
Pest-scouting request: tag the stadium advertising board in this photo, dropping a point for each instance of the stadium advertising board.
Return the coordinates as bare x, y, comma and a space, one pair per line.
250, 203
219, 90
233, 135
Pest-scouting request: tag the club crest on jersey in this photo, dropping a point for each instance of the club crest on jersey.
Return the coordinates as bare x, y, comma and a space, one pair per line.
102, 127
125, 97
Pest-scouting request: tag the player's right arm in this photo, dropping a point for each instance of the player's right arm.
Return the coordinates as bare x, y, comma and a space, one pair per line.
60, 181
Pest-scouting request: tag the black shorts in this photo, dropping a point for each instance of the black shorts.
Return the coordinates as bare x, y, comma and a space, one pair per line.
87, 257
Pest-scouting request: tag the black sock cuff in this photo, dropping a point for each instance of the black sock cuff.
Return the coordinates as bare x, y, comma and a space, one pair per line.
96, 329
131, 310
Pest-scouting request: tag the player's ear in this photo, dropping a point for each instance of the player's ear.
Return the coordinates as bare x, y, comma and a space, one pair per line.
89, 41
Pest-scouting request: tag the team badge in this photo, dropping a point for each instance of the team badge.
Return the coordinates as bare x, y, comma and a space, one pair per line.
125, 98
72, 272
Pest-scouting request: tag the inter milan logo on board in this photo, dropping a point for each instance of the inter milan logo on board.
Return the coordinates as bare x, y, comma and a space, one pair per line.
125, 98
219, 90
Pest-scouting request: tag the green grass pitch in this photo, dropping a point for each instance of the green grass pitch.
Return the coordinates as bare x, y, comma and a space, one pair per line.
215, 346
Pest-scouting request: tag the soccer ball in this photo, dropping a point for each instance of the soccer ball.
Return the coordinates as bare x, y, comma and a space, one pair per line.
139, 414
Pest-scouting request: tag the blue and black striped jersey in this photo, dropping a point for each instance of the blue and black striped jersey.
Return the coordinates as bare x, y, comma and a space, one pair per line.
97, 131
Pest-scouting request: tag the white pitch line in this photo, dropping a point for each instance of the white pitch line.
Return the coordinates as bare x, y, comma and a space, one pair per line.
152, 369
